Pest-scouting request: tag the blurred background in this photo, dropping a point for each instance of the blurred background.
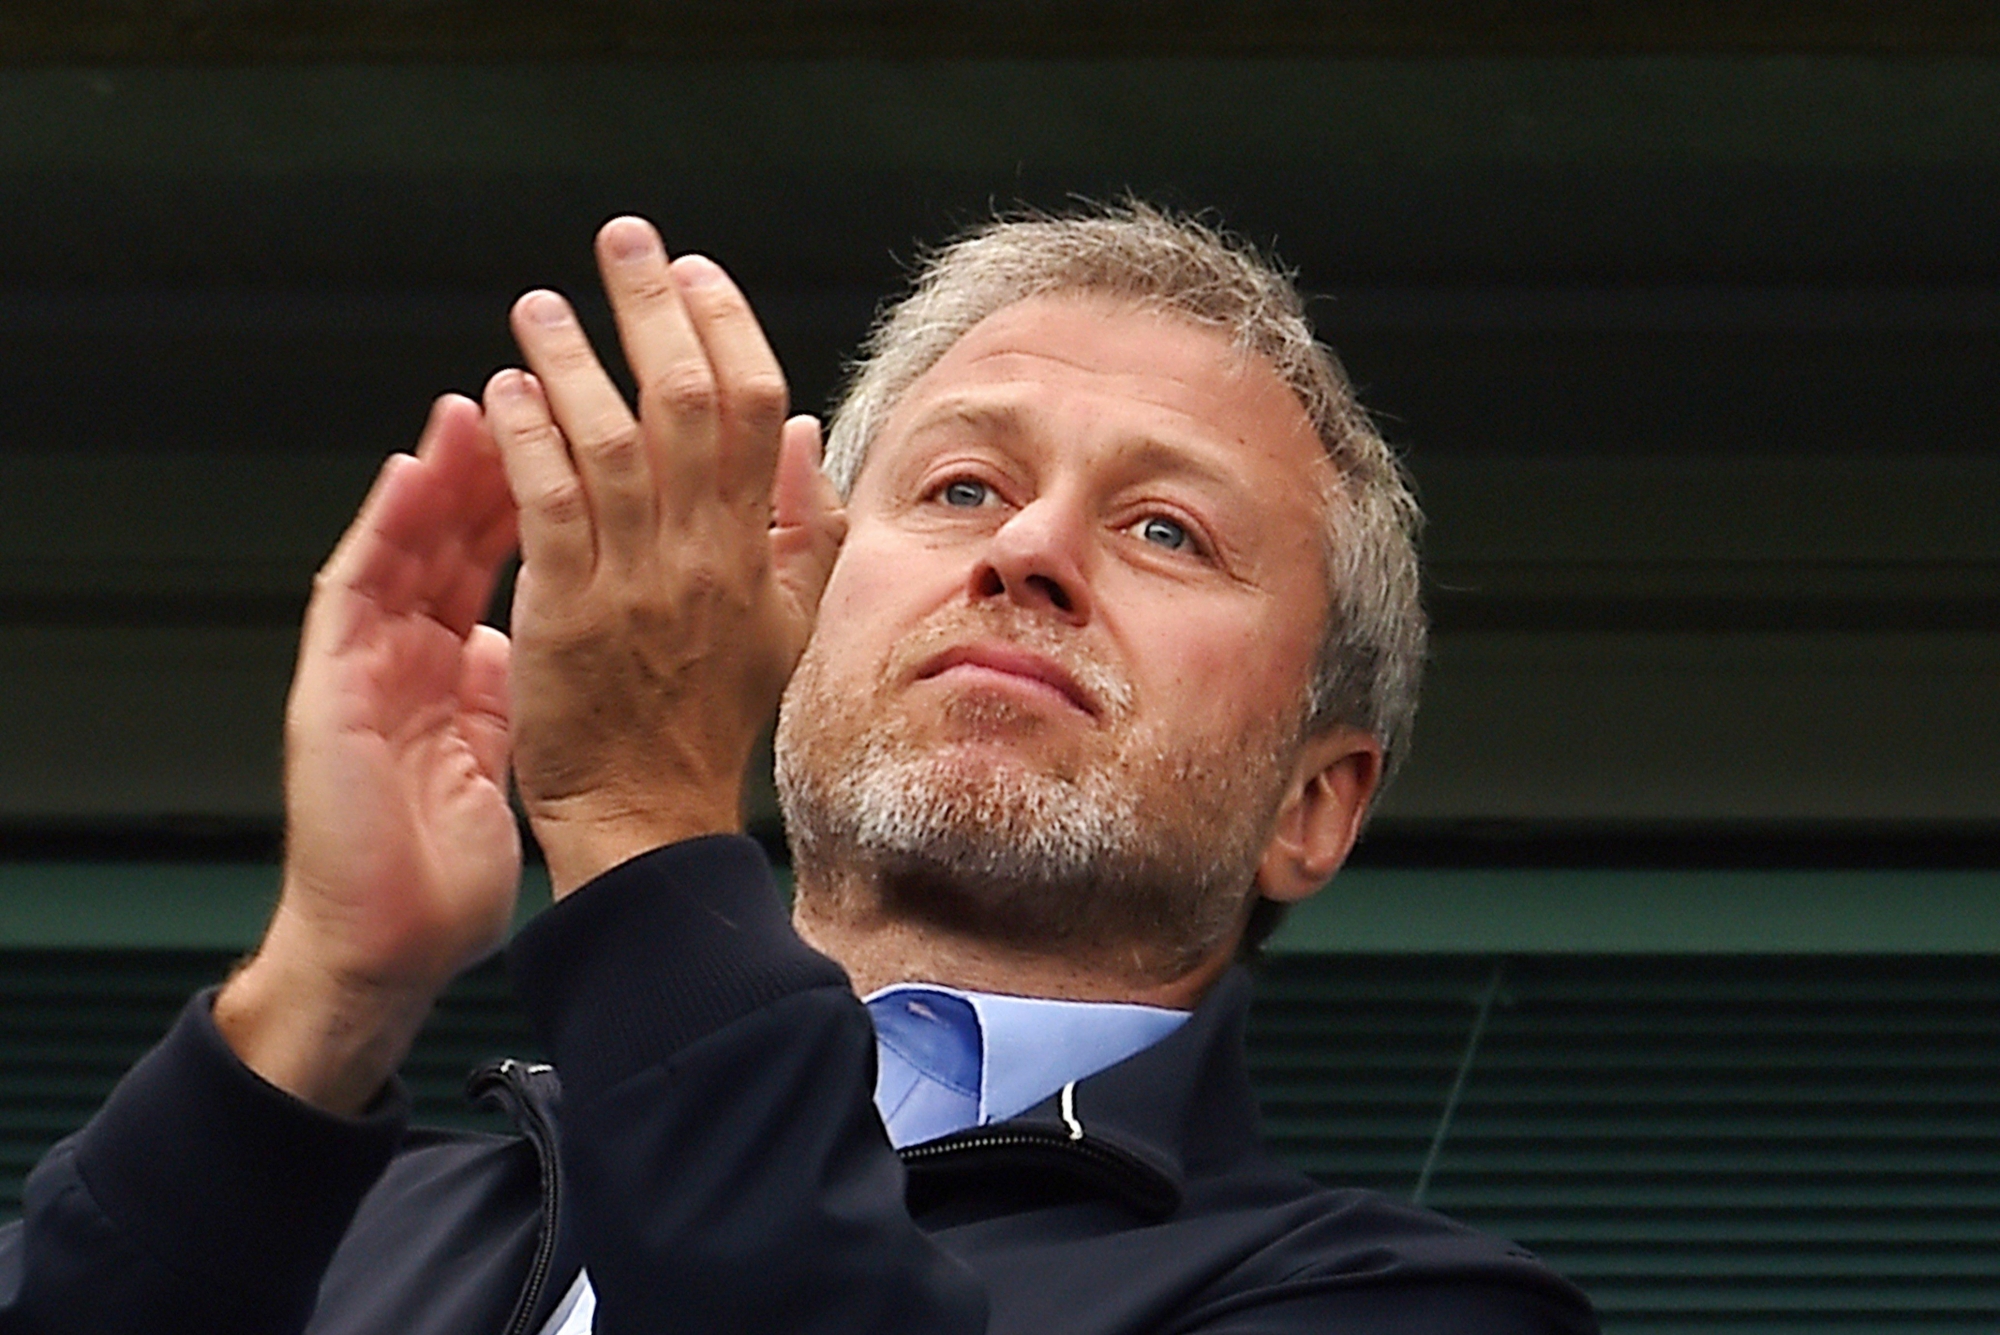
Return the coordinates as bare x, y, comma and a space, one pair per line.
1673, 951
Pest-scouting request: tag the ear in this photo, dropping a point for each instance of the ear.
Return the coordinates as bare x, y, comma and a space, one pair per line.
1337, 773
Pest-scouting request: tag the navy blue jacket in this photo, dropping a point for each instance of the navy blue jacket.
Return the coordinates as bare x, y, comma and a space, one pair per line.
713, 1155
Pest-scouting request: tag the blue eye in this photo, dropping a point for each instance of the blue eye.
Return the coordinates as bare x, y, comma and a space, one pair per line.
1163, 532
964, 493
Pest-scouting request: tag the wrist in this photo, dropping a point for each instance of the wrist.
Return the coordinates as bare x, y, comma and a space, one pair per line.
328, 1042
581, 839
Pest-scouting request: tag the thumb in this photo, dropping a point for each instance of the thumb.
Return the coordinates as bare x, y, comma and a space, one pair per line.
807, 521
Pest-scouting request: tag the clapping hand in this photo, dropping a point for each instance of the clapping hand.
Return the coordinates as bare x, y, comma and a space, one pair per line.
402, 856
672, 558
672, 562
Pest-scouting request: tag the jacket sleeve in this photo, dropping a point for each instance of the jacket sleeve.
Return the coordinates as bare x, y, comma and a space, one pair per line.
727, 1170
198, 1199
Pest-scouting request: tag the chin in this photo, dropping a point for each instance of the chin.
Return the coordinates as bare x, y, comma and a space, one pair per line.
995, 775
987, 817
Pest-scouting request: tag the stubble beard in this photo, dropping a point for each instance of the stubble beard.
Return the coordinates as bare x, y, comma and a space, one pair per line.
1138, 844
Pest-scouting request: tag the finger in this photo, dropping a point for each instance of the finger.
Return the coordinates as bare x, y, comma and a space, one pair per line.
372, 556
592, 417
795, 486
555, 521
464, 602
448, 412
679, 397
466, 461
406, 517
750, 384
654, 326
476, 517
807, 521
484, 703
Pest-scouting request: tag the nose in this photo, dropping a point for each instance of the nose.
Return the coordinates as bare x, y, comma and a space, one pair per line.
1035, 560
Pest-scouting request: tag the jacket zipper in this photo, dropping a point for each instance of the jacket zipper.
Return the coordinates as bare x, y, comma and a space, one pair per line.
510, 1076
1143, 1183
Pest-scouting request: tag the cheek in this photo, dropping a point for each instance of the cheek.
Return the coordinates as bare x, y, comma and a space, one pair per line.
1228, 668
873, 597
844, 595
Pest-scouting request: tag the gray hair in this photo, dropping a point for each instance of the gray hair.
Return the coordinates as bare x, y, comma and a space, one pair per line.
1371, 658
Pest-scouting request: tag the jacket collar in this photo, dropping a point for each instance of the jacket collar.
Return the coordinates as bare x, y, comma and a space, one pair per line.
1141, 1128
1138, 1130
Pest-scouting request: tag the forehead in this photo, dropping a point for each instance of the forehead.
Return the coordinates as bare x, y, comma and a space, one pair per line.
1099, 357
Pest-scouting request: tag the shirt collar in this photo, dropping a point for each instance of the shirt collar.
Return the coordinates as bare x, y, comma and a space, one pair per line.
1020, 1050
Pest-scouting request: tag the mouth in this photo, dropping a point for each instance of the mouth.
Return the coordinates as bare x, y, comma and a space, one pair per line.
1010, 665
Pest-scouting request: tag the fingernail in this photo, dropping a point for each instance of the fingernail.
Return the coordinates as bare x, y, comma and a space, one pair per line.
628, 239
544, 308
697, 271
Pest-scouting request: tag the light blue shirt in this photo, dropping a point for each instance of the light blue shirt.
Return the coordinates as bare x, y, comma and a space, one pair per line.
948, 1059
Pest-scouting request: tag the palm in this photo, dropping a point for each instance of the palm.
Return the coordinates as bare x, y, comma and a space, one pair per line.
397, 821
402, 854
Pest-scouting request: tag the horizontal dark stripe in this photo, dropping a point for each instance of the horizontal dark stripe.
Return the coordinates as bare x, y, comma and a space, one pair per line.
1689, 847
188, 30
178, 840
1695, 613
104, 609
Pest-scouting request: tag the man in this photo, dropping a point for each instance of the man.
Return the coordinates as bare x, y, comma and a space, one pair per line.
1116, 636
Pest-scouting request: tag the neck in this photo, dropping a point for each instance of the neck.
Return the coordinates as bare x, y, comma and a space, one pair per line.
879, 949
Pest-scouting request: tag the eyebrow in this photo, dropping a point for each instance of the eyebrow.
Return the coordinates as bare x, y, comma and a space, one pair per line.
1150, 454
998, 418
1142, 452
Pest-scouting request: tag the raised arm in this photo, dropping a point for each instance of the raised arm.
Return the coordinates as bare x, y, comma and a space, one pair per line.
200, 1198
401, 854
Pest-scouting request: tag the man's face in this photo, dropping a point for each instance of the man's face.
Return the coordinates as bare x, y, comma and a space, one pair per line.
1054, 693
